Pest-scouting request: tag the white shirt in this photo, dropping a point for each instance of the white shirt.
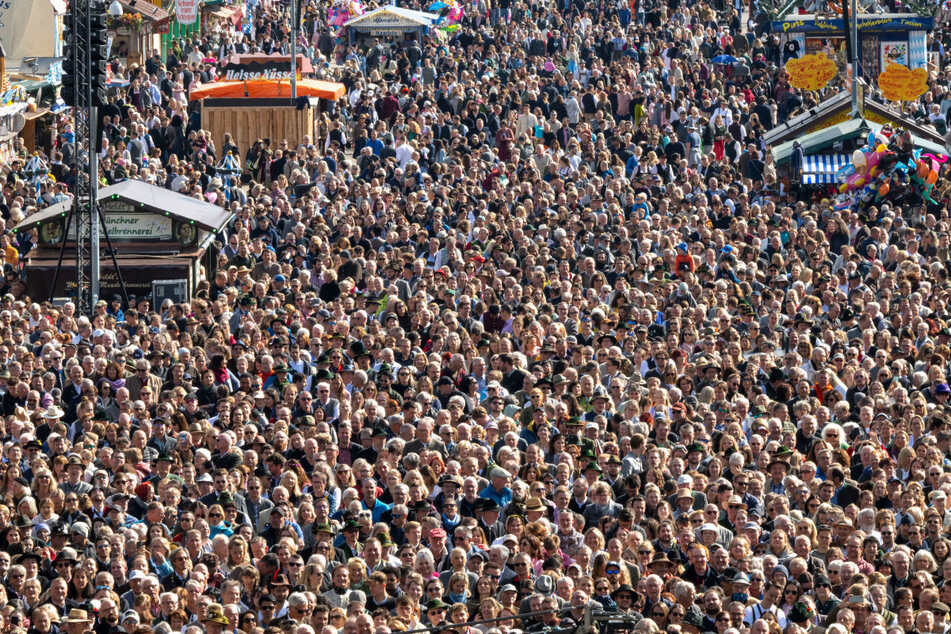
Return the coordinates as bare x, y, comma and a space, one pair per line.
755, 613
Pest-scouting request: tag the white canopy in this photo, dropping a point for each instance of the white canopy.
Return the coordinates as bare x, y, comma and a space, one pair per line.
390, 19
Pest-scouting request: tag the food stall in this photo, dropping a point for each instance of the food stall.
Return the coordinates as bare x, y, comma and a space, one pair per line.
158, 235
136, 33
899, 38
390, 21
257, 109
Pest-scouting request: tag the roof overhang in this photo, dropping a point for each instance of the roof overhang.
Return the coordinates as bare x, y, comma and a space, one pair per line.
150, 198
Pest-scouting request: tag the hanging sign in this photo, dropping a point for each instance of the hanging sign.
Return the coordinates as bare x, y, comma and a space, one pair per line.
811, 72
186, 11
899, 83
278, 69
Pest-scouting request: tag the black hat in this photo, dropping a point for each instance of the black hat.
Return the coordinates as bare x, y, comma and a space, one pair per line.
623, 588
27, 555
774, 461
486, 504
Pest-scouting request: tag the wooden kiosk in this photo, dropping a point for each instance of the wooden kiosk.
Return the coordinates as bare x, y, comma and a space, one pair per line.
250, 110
157, 233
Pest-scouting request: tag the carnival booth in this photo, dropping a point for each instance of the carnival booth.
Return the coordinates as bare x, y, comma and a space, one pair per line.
390, 22
259, 109
884, 38
137, 32
159, 235
828, 135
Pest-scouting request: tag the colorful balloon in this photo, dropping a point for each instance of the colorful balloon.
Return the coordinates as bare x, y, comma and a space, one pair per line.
932, 177
858, 159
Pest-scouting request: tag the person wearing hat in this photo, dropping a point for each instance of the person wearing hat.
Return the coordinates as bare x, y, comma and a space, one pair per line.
624, 596
535, 509
435, 612
129, 620
378, 437
351, 546
826, 600
778, 468
498, 490
214, 620
487, 513
75, 469
450, 486
661, 564
77, 622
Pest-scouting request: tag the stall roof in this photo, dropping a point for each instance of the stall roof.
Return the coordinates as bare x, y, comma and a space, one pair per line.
149, 11
826, 137
226, 12
392, 17
270, 88
839, 105
810, 116
205, 215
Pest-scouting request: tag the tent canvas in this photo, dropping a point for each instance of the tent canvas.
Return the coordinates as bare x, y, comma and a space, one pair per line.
29, 29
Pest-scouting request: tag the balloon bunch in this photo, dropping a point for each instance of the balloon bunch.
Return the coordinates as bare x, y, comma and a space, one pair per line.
877, 173
865, 165
924, 172
342, 11
450, 14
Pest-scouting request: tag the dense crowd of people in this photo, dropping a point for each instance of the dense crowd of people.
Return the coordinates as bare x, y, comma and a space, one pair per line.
537, 336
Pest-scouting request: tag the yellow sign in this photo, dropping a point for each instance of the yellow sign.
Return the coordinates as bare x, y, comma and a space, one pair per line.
898, 83
811, 72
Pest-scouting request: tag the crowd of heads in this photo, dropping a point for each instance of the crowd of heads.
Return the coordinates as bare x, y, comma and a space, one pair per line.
534, 334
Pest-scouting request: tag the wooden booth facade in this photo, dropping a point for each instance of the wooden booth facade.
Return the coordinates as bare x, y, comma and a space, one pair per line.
137, 31
269, 119
263, 109
162, 239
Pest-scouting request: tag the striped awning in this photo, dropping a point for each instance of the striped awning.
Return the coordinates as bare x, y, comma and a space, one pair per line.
821, 168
